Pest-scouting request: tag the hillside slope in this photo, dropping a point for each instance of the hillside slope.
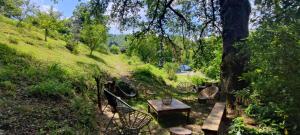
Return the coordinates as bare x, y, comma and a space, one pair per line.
30, 41
43, 86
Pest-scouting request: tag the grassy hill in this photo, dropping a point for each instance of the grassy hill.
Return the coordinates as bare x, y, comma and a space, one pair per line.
30, 41
43, 85
46, 89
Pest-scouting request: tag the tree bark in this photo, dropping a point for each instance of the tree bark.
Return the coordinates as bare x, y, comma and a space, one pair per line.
235, 17
46, 34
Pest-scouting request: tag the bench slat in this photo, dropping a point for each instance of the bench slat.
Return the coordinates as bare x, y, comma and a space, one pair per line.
213, 121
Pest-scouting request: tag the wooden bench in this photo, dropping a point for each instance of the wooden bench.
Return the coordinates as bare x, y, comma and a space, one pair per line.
212, 124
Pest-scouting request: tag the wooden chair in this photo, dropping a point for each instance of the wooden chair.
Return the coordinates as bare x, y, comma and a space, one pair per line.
131, 120
208, 94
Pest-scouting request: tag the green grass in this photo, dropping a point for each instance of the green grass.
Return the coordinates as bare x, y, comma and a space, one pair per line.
29, 66
30, 41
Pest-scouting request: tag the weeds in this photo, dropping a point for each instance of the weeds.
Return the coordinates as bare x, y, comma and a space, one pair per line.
51, 88
13, 40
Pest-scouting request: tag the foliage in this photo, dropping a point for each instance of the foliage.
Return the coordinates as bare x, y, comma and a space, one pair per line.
85, 110
149, 74
94, 36
48, 20
239, 128
27, 8
115, 49
274, 72
208, 59
198, 80
269, 115
134, 60
171, 69
51, 88
11, 8
145, 48
72, 46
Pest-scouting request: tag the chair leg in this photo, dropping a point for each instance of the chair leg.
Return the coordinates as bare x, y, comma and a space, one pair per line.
110, 121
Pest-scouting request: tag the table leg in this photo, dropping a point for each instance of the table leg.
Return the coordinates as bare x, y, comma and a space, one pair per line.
188, 116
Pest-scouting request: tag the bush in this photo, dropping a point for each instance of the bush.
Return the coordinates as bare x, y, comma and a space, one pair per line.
267, 115
85, 111
274, 72
171, 69
146, 75
115, 49
134, 60
198, 81
239, 128
72, 47
13, 40
51, 88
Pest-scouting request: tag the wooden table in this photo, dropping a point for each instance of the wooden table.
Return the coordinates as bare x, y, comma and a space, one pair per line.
176, 106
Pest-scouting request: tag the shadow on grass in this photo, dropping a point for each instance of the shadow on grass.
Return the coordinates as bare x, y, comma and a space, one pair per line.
96, 58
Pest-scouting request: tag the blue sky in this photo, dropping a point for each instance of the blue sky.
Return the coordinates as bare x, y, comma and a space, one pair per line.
66, 7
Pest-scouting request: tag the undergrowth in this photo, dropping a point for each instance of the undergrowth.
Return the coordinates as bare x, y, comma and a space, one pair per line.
30, 91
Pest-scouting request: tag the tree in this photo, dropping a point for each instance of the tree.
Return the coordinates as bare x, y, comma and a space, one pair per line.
146, 48
200, 19
234, 17
27, 8
11, 8
48, 20
94, 35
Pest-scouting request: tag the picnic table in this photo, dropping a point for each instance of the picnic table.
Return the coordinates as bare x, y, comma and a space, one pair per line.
176, 106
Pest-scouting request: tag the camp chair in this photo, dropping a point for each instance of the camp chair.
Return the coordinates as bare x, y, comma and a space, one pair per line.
131, 120
208, 94
185, 87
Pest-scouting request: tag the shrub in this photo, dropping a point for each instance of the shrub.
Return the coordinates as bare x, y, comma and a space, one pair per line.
134, 60
171, 69
239, 128
115, 49
85, 111
72, 47
197, 80
267, 115
13, 40
146, 75
55, 71
51, 88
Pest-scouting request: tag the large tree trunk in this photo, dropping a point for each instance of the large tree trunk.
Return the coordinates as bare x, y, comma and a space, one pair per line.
235, 17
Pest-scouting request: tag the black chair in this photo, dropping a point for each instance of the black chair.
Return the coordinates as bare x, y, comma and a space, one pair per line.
132, 121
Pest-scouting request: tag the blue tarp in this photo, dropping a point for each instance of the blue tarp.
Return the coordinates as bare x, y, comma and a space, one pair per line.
184, 68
